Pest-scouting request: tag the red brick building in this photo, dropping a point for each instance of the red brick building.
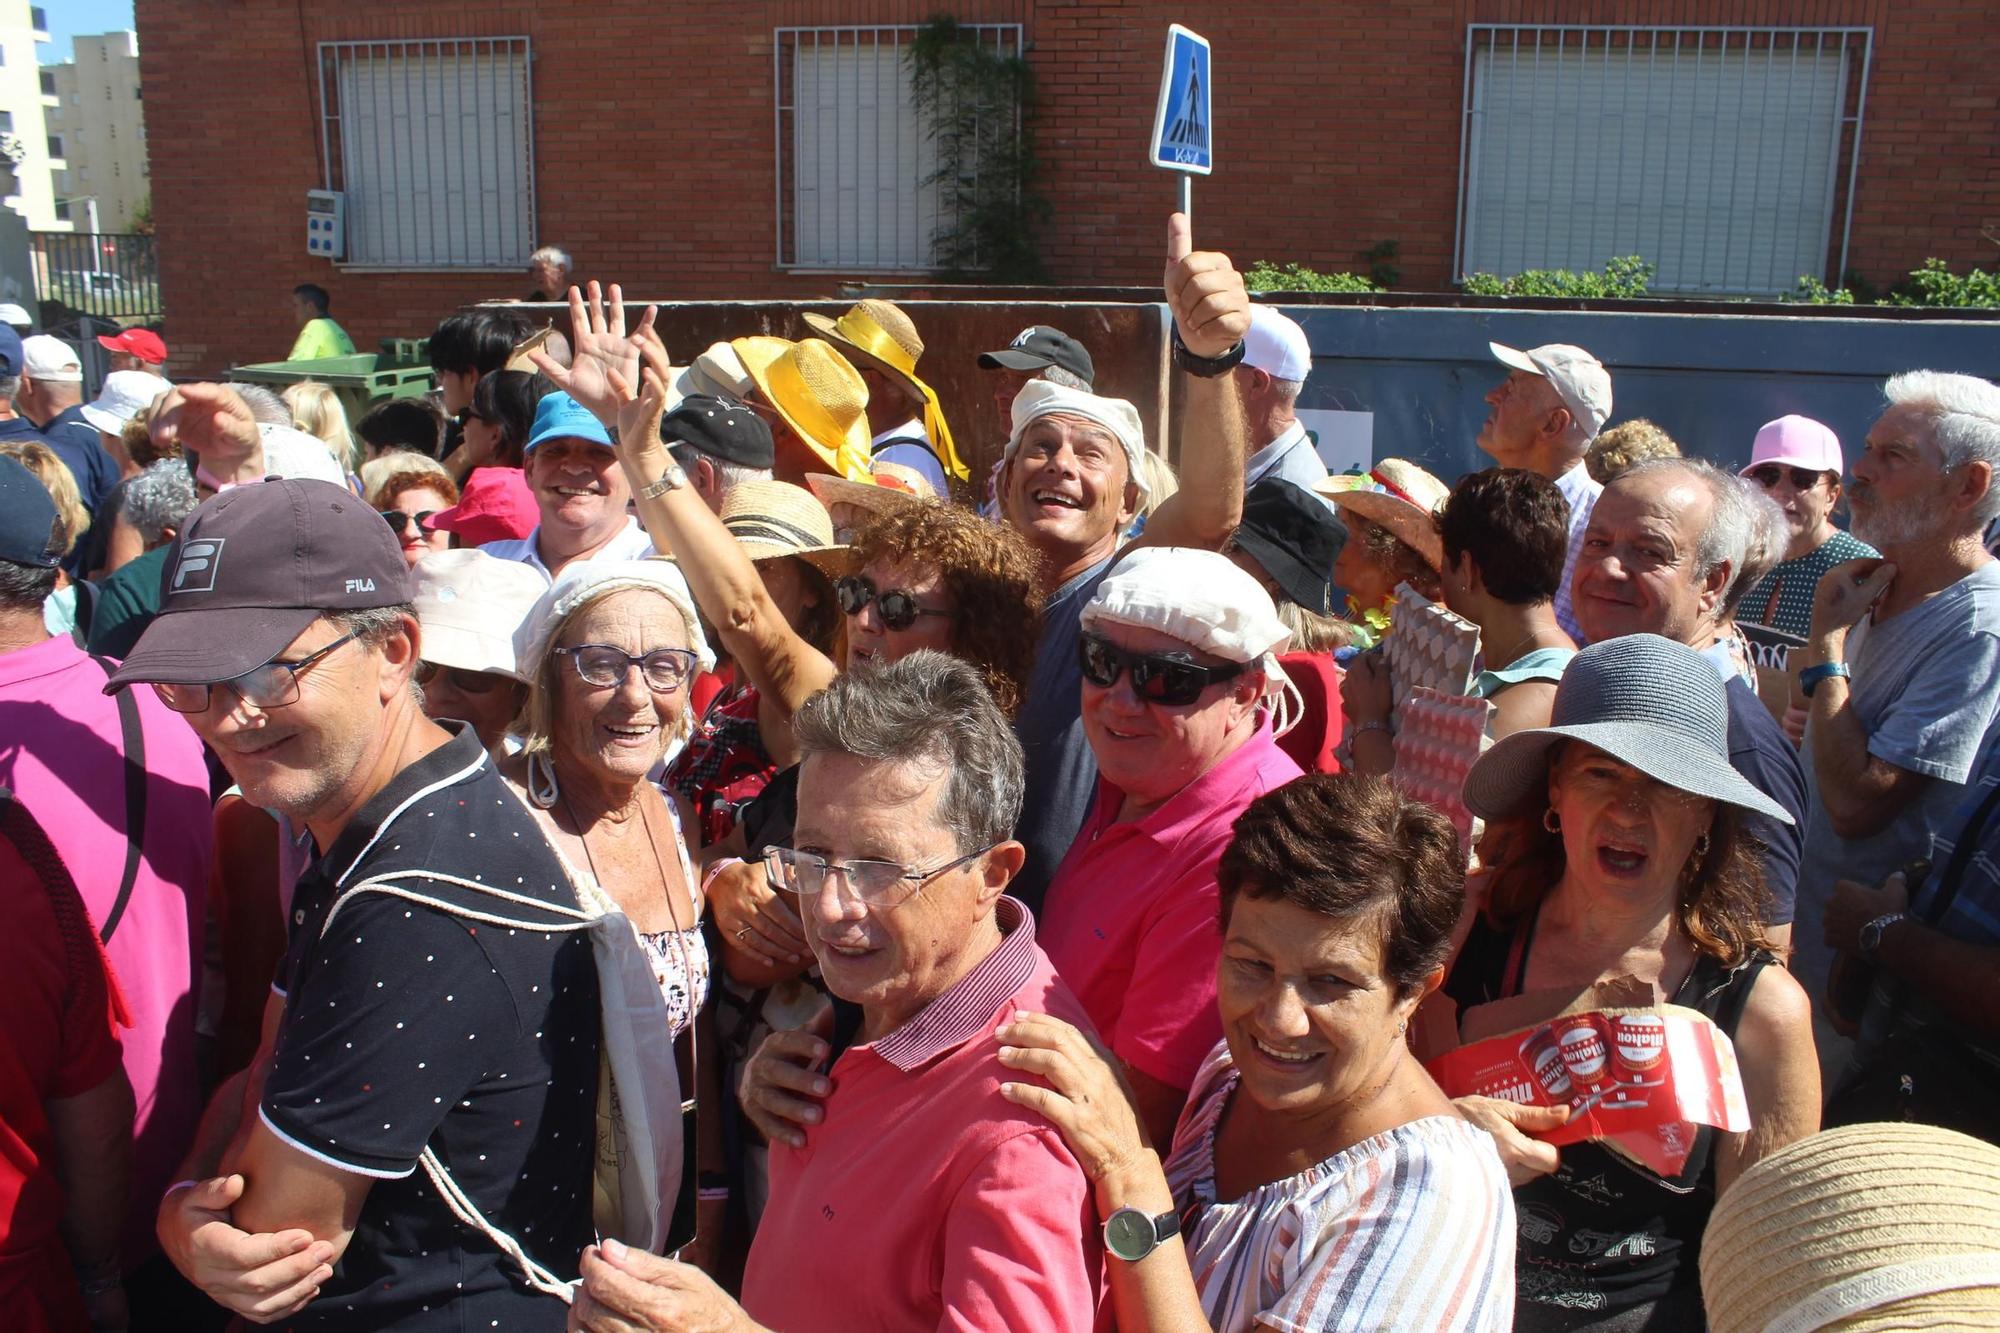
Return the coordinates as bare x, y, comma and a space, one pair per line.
673, 145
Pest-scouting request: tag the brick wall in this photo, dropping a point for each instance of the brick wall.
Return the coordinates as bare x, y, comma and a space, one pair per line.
1337, 129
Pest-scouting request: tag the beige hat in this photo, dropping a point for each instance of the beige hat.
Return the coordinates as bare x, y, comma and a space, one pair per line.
1579, 379
718, 372
1868, 1227
889, 486
470, 605
771, 519
1397, 495
818, 392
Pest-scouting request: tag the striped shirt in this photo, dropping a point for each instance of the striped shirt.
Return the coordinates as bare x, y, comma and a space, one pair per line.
1410, 1229
1581, 490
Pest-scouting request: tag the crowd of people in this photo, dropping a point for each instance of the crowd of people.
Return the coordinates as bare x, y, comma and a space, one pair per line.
622, 846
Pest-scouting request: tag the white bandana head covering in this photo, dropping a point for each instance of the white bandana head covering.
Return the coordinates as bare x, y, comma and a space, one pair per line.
591, 579
1039, 398
1208, 603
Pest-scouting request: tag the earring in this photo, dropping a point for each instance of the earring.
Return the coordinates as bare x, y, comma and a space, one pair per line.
1551, 820
1700, 848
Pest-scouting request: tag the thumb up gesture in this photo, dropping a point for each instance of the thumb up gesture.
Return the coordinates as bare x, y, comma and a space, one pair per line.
1210, 303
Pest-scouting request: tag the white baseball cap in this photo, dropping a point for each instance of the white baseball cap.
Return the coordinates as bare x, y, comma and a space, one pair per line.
126, 393
1578, 378
14, 315
51, 359
1276, 345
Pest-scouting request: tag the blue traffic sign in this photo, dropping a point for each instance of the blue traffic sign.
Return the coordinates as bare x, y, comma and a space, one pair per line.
1183, 127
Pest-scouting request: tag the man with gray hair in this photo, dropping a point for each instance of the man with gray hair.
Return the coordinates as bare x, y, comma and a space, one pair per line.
156, 503
1667, 544
1276, 360
549, 269
1901, 668
953, 1206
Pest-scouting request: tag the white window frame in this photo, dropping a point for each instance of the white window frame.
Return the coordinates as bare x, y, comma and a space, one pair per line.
455, 228
913, 253
1768, 47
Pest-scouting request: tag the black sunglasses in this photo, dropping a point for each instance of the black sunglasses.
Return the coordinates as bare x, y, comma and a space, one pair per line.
398, 520
1767, 474
899, 610
1156, 677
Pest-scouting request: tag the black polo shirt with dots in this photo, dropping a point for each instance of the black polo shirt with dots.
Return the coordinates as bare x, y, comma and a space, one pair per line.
407, 1026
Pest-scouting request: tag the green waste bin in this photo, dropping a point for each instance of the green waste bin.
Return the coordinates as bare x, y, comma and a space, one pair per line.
360, 380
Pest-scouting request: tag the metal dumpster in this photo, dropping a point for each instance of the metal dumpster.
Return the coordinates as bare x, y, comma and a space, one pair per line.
359, 380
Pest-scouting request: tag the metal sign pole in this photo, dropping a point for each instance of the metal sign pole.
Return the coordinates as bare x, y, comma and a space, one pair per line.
1187, 196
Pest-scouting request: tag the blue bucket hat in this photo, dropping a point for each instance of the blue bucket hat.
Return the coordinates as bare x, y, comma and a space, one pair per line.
559, 416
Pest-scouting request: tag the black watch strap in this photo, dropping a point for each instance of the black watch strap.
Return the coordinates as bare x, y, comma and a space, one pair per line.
1207, 367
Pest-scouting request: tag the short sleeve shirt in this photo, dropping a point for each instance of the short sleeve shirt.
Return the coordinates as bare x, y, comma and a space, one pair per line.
1783, 598
407, 1026
320, 338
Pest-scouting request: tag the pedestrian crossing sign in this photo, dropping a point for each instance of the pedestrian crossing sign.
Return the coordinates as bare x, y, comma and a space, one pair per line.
1182, 126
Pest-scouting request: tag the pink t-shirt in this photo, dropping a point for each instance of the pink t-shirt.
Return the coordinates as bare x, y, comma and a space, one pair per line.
1132, 917
926, 1200
61, 749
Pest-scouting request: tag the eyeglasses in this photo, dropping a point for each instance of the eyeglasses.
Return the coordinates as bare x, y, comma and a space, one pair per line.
458, 678
665, 669
1156, 677
899, 609
883, 884
1767, 475
398, 520
272, 685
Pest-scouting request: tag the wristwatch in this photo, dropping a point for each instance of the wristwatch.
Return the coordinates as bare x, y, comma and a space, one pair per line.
1205, 367
1132, 1235
1810, 677
672, 479
1871, 934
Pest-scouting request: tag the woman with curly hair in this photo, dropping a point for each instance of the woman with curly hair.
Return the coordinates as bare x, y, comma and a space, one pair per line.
1617, 848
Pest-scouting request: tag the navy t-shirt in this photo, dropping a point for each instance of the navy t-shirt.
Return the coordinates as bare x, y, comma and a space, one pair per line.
406, 1026
1761, 752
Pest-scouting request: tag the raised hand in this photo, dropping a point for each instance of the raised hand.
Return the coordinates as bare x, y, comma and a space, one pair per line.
601, 347
1846, 592
638, 398
206, 419
1210, 303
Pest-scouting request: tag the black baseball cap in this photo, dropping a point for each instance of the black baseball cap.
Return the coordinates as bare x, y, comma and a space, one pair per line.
1038, 348
1296, 537
252, 569
27, 516
717, 428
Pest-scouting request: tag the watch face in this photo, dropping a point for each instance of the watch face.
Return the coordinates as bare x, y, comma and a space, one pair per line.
1128, 1234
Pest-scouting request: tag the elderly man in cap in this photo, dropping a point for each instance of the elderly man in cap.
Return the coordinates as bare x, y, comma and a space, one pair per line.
1070, 482
914, 1195
1038, 352
51, 396
1178, 653
1276, 360
882, 343
401, 1034
580, 491
134, 349
1666, 543
719, 443
1543, 417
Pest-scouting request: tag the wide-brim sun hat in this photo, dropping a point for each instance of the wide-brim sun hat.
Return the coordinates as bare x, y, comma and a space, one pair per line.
1864, 1229
821, 396
1645, 701
588, 580
879, 331
774, 519
471, 606
883, 492
124, 395
1398, 496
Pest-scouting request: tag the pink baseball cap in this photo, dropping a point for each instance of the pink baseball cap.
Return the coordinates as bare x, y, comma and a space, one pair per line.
496, 505
1797, 442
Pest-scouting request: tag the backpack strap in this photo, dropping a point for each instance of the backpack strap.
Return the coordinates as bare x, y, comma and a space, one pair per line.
134, 740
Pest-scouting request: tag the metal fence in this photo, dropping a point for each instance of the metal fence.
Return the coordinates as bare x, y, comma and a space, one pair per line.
108, 274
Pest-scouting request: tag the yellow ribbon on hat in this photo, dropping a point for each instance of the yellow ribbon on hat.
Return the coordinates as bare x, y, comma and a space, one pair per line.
870, 337
792, 396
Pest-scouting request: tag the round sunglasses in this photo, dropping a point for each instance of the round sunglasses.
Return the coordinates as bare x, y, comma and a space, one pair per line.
1768, 475
899, 609
398, 520
1156, 677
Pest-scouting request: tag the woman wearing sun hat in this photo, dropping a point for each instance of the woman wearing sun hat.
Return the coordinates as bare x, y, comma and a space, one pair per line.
882, 343
819, 402
1390, 513
1615, 848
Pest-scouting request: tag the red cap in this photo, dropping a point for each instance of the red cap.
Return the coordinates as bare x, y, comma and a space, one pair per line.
142, 343
496, 505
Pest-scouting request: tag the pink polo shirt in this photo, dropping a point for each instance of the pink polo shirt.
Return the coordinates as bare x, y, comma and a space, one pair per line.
1132, 920
60, 748
926, 1200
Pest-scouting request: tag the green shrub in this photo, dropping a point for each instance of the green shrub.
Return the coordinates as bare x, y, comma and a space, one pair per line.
1623, 278
1264, 276
1935, 284
1811, 291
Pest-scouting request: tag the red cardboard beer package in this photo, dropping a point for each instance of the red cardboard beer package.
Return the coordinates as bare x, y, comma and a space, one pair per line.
1637, 1077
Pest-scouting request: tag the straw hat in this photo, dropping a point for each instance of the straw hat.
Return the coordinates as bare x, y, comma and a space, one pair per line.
1397, 495
1870, 1227
879, 331
818, 393
1645, 701
772, 519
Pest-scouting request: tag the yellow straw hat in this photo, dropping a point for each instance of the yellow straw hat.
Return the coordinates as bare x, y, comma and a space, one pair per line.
1868, 1227
881, 332
818, 393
